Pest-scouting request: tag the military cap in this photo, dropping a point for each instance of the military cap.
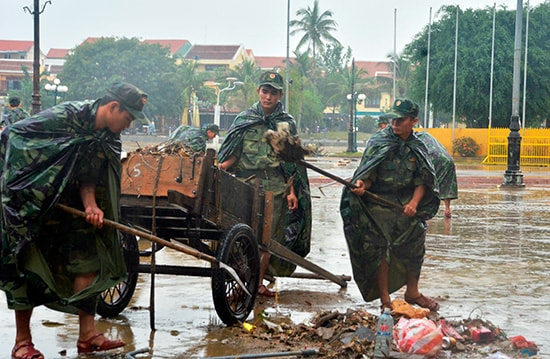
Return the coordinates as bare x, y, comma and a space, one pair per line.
384, 118
404, 108
132, 98
14, 101
212, 127
271, 78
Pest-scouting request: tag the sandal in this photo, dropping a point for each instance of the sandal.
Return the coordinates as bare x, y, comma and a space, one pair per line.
31, 352
263, 291
86, 346
424, 302
447, 214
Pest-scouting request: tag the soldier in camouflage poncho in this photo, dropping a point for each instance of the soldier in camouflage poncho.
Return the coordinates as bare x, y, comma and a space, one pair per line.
68, 154
445, 169
386, 244
193, 137
247, 153
15, 113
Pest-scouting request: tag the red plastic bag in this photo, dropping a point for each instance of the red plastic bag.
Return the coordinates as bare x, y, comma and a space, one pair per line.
418, 336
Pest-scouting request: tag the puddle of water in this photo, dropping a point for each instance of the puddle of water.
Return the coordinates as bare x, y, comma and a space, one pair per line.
491, 260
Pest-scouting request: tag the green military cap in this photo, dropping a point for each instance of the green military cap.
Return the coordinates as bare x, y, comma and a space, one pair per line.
384, 118
14, 101
404, 108
132, 98
212, 127
271, 78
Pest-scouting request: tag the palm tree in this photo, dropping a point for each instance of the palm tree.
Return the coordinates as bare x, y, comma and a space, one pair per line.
403, 72
316, 26
249, 73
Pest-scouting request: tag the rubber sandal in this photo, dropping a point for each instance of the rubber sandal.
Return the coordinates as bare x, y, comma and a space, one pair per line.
447, 214
86, 346
31, 352
263, 291
424, 302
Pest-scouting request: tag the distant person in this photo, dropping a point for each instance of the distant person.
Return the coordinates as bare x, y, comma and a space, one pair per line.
387, 244
445, 169
245, 152
194, 138
67, 154
14, 113
383, 120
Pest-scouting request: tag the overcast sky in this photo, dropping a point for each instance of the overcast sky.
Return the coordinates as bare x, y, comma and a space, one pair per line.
364, 25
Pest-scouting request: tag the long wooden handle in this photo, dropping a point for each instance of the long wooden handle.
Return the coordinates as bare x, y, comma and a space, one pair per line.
349, 184
179, 247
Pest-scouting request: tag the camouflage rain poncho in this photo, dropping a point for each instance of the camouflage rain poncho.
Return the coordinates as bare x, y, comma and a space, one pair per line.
14, 115
294, 230
192, 137
42, 161
374, 230
444, 165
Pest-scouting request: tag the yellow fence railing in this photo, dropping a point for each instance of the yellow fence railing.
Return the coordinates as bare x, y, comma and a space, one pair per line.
535, 147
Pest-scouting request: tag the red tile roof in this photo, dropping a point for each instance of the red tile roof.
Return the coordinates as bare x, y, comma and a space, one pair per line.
270, 62
376, 68
57, 53
16, 45
173, 45
213, 52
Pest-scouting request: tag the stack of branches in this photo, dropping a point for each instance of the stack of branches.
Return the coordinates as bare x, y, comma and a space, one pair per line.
169, 148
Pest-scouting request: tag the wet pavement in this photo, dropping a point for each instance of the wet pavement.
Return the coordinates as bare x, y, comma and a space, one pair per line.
490, 260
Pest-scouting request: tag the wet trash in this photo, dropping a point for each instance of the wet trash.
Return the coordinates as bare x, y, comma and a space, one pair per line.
131, 355
448, 343
401, 307
528, 348
249, 327
449, 331
418, 336
481, 335
384, 331
362, 333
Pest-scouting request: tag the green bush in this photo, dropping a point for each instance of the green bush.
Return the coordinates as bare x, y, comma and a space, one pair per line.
465, 147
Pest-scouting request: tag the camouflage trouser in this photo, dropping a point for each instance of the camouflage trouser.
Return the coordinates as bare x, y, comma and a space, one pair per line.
69, 249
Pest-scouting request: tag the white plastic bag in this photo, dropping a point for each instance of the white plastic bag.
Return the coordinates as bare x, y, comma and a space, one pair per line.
418, 336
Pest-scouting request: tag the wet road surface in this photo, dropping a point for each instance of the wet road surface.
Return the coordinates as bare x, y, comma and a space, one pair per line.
490, 260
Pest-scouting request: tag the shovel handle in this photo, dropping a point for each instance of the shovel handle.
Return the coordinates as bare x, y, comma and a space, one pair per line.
349, 184
178, 247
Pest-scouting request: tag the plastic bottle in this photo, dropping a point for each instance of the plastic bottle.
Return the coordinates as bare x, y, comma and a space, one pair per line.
384, 340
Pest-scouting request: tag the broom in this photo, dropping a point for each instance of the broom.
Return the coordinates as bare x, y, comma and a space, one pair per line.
290, 149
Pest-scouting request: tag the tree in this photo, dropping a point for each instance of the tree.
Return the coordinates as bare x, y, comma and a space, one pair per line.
402, 74
474, 65
93, 67
249, 73
316, 26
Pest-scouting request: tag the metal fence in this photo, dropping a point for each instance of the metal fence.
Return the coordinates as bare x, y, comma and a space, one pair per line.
535, 147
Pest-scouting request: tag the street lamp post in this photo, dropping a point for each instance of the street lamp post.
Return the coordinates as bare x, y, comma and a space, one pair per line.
513, 178
231, 85
354, 99
56, 88
36, 101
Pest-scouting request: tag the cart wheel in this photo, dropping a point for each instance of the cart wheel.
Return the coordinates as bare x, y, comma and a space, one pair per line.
113, 300
239, 250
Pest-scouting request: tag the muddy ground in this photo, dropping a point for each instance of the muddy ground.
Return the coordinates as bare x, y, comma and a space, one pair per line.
490, 261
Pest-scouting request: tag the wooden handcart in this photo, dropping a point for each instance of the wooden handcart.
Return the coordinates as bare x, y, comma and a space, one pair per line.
187, 199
